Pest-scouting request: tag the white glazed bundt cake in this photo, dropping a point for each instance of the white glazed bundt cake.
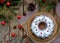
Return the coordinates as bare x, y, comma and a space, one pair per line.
42, 26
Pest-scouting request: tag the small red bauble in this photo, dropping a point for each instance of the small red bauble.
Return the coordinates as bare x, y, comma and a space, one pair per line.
3, 23
13, 34
19, 17
8, 3
44, 0
20, 26
1, 1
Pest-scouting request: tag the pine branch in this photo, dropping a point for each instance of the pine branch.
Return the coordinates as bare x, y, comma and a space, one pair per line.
2, 17
12, 11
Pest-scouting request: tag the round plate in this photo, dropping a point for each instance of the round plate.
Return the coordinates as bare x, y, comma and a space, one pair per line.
40, 39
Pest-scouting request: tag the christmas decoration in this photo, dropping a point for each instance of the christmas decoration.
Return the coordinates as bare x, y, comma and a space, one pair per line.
44, 1
1, 4
7, 13
3, 23
9, 7
52, 5
20, 26
1, 1
19, 17
15, 2
8, 3
13, 34
48, 4
1, 8
31, 7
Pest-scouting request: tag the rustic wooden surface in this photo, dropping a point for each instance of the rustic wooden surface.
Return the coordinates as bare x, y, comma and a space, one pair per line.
5, 29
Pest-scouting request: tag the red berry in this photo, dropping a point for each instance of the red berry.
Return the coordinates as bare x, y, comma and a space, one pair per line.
13, 34
20, 26
19, 17
8, 3
3, 23
1, 1
44, 0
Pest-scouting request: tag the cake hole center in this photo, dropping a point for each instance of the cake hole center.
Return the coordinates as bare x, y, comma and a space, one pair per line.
42, 25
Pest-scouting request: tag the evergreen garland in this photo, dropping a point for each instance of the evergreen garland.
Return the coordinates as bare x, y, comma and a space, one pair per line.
2, 10
48, 4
